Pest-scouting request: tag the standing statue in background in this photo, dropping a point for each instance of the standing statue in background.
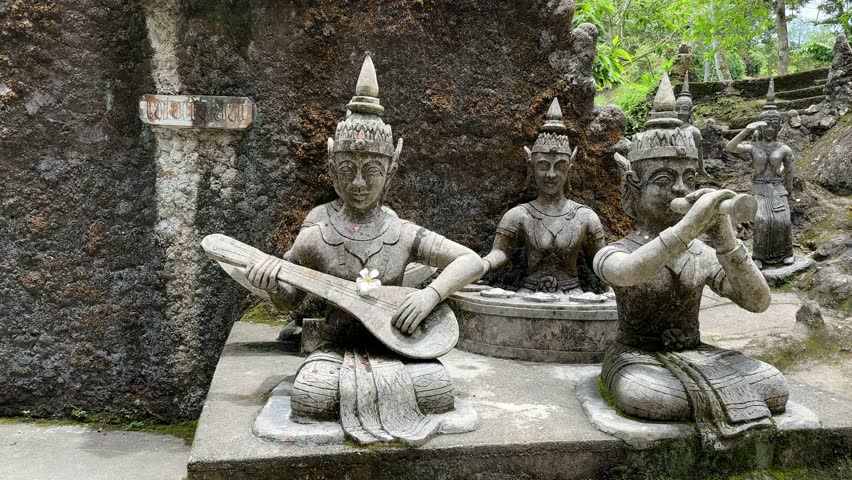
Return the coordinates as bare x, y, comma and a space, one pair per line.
684, 114
378, 373
554, 228
771, 184
658, 368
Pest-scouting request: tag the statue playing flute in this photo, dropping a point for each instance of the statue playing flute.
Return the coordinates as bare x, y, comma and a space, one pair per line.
658, 368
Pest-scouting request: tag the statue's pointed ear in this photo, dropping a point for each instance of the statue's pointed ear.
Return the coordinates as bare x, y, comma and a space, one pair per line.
330, 150
528, 154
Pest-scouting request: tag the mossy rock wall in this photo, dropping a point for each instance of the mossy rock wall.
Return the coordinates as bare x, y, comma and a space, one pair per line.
90, 317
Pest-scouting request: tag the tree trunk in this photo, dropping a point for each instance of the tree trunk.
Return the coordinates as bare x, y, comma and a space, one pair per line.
783, 38
722, 69
707, 71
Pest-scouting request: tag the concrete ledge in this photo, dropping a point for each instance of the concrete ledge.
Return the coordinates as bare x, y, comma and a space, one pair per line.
532, 426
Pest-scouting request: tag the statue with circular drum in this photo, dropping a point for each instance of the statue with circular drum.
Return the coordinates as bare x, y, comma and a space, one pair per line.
658, 368
771, 185
549, 318
377, 377
554, 228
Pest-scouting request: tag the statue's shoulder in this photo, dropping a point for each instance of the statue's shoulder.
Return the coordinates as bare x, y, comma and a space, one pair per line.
320, 214
516, 215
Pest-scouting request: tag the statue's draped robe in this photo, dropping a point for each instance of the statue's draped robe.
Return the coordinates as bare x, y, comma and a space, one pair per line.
376, 394
658, 368
773, 239
553, 243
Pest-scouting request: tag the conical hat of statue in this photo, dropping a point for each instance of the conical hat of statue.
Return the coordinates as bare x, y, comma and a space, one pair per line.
552, 138
363, 129
770, 110
685, 97
663, 138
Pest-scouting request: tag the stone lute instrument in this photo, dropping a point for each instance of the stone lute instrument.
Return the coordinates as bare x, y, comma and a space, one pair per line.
741, 207
436, 335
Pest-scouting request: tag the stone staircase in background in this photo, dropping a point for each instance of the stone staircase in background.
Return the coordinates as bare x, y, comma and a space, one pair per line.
738, 103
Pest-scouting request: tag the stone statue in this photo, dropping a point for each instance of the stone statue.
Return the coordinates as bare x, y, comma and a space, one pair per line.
771, 184
684, 114
658, 368
554, 228
377, 373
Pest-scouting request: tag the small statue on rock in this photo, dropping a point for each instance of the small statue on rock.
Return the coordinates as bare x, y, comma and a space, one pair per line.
555, 229
771, 185
658, 368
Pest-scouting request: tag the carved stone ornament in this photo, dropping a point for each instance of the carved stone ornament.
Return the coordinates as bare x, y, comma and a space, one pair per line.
195, 111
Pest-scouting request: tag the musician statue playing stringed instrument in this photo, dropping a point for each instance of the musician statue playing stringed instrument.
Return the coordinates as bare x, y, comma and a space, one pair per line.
378, 373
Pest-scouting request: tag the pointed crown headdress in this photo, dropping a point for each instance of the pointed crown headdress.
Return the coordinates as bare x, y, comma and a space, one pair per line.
770, 110
663, 137
552, 138
685, 98
363, 129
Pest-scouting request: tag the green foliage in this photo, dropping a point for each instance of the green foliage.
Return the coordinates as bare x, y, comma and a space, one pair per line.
818, 52
737, 65
610, 64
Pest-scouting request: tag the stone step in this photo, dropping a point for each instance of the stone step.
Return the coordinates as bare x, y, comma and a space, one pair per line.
814, 91
799, 103
821, 81
532, 425
756, 87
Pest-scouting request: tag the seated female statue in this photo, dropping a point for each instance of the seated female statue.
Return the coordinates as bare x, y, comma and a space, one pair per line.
554, 228
376, 394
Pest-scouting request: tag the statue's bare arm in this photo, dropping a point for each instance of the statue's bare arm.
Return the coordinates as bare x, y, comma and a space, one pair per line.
504, 242
736, 277
789, 166
264, 275
626, 269
595, 238
461, 267
736, 144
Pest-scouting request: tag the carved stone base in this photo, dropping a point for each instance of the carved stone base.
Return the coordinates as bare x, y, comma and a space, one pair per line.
274, 422
558, 332
646, 434
778, 274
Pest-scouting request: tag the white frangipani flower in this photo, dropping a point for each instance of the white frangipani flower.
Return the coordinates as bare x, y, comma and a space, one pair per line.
367, 281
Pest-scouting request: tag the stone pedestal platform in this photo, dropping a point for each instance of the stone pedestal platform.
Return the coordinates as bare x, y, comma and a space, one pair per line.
533, 426
777, 275
516, 328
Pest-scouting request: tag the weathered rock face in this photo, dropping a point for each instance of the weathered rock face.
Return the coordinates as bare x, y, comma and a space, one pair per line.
108, 301
81, 286
827, 160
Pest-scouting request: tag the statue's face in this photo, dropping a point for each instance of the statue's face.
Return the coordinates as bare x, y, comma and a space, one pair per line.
551, 171
661, 182
361, 178
770, 131
684, 112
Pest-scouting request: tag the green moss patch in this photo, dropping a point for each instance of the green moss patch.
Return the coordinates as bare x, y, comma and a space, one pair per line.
820, 345
114, 422
265, 313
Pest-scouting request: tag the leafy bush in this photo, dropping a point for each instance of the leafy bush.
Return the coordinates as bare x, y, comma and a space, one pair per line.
818, 52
